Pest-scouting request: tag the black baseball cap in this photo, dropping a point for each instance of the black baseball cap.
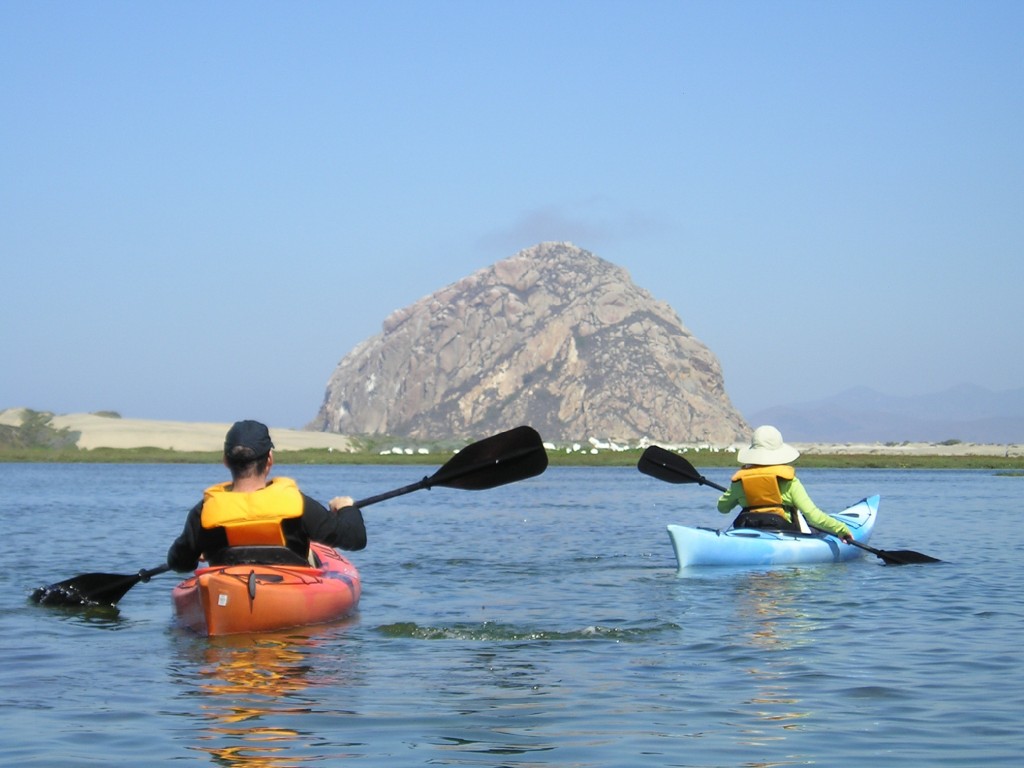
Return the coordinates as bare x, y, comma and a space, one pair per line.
249, 435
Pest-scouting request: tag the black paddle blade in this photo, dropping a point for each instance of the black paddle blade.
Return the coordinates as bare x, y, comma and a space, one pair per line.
904, 557
671, 467
86, 589
93, 588
665, 465
497, 460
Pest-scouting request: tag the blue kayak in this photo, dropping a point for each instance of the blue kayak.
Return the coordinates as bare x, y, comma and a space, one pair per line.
754, 546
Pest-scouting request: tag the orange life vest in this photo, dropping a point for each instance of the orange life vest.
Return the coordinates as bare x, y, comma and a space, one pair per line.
761, 489
252, 518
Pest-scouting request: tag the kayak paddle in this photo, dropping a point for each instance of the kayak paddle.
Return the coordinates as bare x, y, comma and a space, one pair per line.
891, 556
673, 468
93, 588
497, 460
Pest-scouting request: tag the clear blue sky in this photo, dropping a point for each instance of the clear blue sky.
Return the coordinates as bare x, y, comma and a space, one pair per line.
205, 206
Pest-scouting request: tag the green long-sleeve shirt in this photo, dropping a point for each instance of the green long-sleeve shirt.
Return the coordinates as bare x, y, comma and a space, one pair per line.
793, 495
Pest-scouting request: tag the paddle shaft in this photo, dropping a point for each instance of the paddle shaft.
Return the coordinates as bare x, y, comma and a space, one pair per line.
857, 544
716, 486
148, 574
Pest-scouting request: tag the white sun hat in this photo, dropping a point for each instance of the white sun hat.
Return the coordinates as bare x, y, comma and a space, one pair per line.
766, 447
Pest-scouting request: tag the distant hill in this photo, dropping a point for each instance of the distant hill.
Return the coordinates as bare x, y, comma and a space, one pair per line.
965, 412
554, 337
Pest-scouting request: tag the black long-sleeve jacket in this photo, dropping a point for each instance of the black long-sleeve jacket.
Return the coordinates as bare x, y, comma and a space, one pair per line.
343, 529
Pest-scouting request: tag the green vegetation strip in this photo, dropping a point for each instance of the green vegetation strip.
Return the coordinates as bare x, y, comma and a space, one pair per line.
1012, 465
36, 440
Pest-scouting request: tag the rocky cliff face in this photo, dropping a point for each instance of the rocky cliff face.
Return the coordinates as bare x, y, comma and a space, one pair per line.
553, 337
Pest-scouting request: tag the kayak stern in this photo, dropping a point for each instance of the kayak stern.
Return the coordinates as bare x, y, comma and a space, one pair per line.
233, 599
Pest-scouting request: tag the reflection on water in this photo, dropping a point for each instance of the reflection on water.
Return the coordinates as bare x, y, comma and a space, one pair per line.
774, 630
505, 687
770, 607
95, 616
254, 691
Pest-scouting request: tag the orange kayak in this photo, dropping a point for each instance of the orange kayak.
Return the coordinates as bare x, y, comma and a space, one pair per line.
231, 599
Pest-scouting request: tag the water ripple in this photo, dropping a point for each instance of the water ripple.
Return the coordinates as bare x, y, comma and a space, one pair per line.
494, 632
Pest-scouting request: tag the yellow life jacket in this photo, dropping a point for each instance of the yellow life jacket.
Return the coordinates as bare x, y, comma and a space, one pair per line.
252, 518
761, 488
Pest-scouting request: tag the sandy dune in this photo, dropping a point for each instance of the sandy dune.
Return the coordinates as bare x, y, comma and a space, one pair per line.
911, 449
105, 432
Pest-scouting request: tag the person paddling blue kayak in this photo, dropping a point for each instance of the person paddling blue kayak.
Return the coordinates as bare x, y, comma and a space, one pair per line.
768, 492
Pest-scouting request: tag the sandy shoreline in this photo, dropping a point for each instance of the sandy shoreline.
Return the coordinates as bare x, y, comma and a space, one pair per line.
106, 432
912, 449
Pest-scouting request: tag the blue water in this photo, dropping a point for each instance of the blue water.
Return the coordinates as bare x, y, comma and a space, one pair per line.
537, 624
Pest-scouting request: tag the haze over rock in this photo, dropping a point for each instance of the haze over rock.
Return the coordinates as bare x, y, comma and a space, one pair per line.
553, 337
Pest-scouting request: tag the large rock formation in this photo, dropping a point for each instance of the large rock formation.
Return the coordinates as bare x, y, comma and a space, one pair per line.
553, 337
